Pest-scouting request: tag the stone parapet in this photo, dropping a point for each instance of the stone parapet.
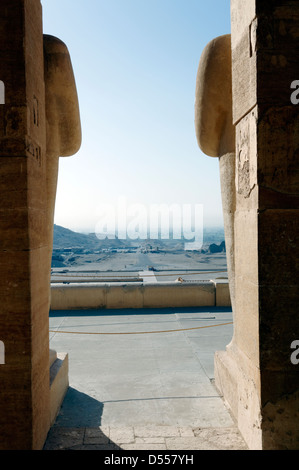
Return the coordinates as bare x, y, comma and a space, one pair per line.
138, 295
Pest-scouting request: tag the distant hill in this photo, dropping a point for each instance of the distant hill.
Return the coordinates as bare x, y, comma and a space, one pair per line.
65, 238
213, 248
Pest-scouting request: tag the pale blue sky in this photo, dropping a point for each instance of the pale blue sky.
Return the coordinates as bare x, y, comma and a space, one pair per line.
135, 63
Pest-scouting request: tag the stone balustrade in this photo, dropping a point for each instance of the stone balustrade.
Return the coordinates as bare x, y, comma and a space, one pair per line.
118, 295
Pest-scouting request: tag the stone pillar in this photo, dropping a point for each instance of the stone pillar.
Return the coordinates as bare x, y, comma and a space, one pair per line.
255, 374
24, 277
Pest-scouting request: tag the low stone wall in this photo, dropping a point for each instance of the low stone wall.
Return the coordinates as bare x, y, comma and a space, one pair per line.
138, 295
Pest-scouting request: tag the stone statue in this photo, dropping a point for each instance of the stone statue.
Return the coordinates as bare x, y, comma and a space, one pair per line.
63, 128
215, 131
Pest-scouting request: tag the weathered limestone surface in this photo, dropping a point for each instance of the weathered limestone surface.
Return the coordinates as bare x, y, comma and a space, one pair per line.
255, 374
28, 173
24, 317
139, 295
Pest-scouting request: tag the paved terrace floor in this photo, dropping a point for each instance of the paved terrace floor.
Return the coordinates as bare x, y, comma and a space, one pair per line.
142, 391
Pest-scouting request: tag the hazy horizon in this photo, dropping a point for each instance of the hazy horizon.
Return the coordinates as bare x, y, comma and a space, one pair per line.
91, 232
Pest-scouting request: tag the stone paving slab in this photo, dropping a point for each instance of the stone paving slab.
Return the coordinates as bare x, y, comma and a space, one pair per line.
141, 379
143, 438
143, 391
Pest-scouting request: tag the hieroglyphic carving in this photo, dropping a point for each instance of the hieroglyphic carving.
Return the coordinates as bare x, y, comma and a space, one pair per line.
245, 148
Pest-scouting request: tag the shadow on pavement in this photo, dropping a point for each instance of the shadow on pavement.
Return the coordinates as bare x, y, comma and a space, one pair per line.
78, 412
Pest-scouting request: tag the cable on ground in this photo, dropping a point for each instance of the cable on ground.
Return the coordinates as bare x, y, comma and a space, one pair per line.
138, 332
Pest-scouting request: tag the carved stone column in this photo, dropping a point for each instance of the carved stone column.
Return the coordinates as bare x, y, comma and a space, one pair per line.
39, 121
255, 374
24, 378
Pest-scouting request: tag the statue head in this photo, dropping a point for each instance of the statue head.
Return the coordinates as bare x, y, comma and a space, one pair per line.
213, 99
62, 107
